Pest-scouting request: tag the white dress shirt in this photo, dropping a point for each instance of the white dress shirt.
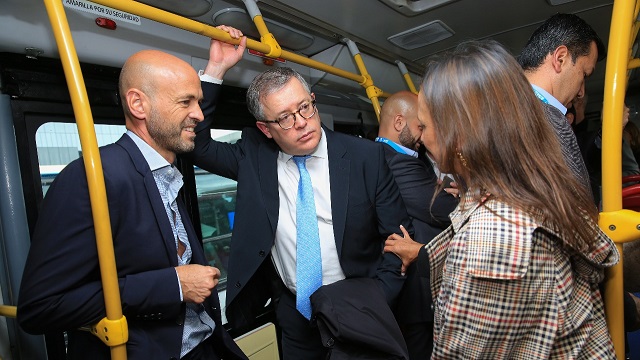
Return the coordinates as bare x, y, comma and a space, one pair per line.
284, 249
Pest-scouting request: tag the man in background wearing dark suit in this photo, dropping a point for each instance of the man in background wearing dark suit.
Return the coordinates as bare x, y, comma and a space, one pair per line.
400, 131
557, 59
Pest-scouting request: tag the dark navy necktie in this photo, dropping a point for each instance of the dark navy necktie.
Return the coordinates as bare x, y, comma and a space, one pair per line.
309, 260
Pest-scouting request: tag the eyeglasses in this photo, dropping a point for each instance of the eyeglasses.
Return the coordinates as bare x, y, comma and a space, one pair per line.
286, 121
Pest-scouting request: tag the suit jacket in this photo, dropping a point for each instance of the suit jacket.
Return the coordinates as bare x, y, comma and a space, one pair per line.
417, 182
355, 321
366, 209
568, 143
61, 288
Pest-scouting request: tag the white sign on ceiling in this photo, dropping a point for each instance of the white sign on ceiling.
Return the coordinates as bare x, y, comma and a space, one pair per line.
93, 8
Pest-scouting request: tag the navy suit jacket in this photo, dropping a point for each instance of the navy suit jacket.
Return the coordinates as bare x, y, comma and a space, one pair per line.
417, 182
61, 288
365, 202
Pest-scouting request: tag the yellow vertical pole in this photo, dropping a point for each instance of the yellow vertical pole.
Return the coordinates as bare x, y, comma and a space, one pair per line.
95, 177
614, 92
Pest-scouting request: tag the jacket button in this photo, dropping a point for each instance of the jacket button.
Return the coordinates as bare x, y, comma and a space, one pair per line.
238, 285
330, 342
261, 253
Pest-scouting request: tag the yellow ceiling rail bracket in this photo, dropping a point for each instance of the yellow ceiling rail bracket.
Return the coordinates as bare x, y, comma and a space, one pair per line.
266, 37
276, 50
621, 226
407, 77
368, 81
112, 332
8, 311
374, 91
634, 63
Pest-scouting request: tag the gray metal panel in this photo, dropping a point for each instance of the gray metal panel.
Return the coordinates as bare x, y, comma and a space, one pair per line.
14, 237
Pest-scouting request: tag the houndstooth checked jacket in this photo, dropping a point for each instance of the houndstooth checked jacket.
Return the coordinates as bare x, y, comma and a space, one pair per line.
508, 287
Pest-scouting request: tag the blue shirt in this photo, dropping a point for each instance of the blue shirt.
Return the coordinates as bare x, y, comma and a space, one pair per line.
198, 325
547, 98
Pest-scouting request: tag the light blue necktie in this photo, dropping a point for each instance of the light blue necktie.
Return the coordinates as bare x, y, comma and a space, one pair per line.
309, 260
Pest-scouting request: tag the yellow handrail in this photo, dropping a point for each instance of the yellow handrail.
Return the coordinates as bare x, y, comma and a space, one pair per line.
373, 92
268, 46
8, 311
75, 82
211, 32
621, 225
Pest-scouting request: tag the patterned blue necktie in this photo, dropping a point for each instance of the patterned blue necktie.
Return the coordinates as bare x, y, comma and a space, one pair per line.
309, 260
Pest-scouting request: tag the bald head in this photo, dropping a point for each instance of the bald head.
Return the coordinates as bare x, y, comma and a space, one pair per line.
160, 96
150, 70
399, 119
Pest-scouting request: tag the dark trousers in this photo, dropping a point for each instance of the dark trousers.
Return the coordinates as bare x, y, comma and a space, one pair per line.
419, 339
204, 351
299, 339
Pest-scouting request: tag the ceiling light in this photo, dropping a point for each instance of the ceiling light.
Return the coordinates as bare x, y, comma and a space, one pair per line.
422, 35
414, 7
186, 8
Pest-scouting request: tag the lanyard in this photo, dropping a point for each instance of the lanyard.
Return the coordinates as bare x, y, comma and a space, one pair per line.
395, 146
540, 96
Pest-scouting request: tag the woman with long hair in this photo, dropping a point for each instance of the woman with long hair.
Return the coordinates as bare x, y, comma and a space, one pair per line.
516, 275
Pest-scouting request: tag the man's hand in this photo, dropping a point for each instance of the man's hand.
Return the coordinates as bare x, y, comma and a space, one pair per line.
197, 281
404, 247
223, 56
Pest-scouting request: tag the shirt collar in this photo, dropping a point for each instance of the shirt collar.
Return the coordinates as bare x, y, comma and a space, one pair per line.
320, 152
550, 99
153, 158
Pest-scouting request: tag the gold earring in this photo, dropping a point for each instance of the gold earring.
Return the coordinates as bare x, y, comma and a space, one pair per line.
462, 159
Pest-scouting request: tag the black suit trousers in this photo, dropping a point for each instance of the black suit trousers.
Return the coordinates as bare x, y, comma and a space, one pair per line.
299, 340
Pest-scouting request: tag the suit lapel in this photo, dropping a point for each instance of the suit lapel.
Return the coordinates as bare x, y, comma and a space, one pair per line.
339, 171
154, 196
268, 175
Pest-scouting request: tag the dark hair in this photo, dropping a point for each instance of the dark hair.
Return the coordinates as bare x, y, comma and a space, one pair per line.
560, 29
509, 147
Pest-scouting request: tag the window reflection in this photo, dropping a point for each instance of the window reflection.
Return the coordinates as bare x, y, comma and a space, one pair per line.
217, 204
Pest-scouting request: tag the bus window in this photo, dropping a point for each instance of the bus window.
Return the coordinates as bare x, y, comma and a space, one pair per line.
58, 144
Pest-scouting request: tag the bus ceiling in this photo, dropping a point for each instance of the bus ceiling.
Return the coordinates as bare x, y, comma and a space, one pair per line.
386, 31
